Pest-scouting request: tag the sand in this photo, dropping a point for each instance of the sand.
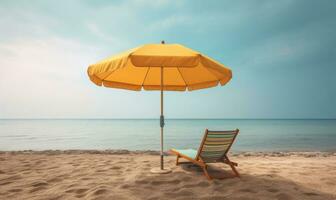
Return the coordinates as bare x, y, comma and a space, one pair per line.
126, 175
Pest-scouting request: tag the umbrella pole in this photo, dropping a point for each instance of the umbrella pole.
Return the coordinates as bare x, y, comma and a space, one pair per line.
161, 121
161, 170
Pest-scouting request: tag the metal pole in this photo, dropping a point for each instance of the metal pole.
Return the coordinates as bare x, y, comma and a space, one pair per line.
161, 119
161, 116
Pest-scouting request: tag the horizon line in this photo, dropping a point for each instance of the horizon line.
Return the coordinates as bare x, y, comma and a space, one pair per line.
168, 118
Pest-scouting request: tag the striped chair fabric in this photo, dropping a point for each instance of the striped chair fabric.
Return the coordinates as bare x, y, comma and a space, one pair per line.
216, 144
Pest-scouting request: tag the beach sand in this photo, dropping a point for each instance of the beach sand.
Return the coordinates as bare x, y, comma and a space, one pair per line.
126, 175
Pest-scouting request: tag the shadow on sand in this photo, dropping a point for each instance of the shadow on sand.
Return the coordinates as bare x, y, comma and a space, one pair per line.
190, 183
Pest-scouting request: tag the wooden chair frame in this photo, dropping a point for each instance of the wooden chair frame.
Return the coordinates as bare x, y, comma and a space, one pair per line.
198, 160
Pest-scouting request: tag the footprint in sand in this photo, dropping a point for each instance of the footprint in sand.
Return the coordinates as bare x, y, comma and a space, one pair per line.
37, 189
141, 181
330, 183
81, 190
39, 162
54, 180
247, 190
72, 185
86, 178
101, 170
27, 165
39, 184
15, 190
100, 191
310, 194
186, 178
10, 178
77, 190
125, 186
273, 190
6, 183
52, 167
283, 196
115, 167
203, 184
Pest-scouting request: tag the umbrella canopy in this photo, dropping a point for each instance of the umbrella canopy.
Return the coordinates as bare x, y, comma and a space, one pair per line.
170, 67
139, 68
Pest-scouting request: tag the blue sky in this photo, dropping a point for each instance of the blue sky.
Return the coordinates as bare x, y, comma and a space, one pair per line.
282, 54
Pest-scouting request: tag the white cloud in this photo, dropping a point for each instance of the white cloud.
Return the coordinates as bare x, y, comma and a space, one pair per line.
44, 77
111, 39
44, 50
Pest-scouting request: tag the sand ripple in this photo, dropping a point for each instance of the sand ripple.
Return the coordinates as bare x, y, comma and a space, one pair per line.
125, 175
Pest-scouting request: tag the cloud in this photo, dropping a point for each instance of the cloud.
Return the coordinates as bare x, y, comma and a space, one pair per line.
40, 77
45, 47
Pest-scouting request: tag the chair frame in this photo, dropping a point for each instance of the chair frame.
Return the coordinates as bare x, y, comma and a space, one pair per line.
198, 160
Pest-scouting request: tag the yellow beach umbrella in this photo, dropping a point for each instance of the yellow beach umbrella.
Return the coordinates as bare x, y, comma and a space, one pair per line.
164, 67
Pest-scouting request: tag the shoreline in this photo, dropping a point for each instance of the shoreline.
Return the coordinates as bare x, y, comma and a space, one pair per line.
166, 153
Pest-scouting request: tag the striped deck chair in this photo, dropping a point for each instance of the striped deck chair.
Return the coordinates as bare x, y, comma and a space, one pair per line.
214, 148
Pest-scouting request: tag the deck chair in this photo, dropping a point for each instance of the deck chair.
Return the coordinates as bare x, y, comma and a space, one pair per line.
213, 148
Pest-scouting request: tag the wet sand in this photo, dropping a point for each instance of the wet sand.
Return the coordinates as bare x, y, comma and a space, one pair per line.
126, 175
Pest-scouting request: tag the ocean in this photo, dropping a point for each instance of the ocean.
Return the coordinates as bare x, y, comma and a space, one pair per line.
255, 135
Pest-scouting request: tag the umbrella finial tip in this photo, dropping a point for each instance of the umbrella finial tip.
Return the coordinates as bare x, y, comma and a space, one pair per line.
162, 42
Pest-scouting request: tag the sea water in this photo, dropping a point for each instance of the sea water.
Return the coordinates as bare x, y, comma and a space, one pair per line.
255, 135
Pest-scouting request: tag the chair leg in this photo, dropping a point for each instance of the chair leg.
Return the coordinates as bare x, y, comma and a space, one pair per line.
234, 170
206, 172
177, 159
232, 165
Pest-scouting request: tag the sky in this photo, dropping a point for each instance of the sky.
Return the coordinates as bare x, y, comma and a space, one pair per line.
282, 54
